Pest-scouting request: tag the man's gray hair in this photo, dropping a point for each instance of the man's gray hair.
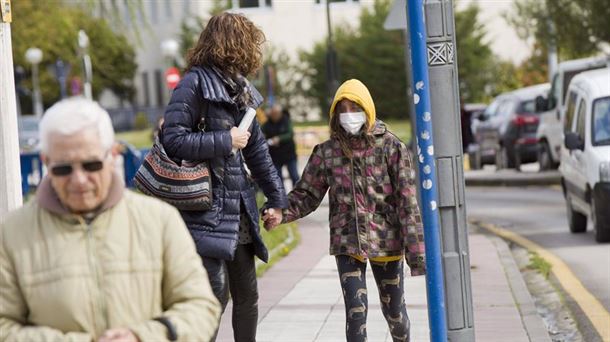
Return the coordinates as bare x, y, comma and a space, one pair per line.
74, 115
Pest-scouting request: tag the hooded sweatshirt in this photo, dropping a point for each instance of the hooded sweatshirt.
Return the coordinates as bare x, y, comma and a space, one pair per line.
373, 205
357, 92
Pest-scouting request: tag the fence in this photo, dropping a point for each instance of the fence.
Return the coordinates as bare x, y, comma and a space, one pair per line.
124, 119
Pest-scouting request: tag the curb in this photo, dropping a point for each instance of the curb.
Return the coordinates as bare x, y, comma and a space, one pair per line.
532, 322
514, 180
592, 308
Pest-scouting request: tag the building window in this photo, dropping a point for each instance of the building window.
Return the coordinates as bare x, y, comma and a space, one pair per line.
248, 3
324, 2
168, 9
154, 12
159, 86
146, 89
140, 15
186, 7
127, 13
251, 3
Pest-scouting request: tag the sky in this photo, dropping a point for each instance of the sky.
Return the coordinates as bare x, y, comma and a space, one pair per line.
502, 37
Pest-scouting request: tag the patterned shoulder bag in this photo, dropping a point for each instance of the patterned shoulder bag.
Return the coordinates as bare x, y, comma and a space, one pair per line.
186, 186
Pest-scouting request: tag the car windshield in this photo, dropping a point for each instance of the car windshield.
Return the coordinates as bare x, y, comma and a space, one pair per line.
491, 110
601, 122
527, 107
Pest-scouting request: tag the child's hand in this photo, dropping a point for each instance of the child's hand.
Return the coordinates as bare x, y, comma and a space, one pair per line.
272, 217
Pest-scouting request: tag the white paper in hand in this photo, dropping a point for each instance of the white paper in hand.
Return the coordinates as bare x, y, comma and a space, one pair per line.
246, 122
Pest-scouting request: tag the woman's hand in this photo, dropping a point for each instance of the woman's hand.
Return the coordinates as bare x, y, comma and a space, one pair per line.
239, 138
272, 217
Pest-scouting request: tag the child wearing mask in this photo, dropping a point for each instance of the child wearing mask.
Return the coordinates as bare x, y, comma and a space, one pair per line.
374, 216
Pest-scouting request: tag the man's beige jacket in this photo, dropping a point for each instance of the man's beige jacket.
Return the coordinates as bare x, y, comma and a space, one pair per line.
63, 279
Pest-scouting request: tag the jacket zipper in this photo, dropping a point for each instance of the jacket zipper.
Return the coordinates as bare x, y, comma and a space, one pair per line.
102, 319
355, 204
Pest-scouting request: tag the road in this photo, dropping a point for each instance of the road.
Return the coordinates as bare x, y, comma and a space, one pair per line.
539, 214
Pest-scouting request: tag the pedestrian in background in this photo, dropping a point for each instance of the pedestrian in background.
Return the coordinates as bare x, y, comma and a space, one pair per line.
374, 214
87, 260
280, 137
214, 95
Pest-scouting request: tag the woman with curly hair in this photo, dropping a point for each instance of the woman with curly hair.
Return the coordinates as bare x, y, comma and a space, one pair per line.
200, 124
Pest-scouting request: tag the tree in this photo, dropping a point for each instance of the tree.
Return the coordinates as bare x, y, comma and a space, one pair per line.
534, 70
191, 27
376, 56
579, 27
277, 66
371, 54
476, 63
53, 27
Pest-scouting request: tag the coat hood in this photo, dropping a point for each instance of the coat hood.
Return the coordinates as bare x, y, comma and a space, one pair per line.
356, 91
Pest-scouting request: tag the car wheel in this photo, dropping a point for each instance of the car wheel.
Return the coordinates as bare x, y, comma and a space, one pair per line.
500, 159
509, 157
517, 161
600, 227
503, 159
544, 157
474, 160
576, 220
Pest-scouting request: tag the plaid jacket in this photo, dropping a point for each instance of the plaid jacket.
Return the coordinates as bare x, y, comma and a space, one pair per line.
373, 201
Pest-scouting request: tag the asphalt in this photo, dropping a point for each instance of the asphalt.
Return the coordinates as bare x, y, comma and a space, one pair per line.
536, 216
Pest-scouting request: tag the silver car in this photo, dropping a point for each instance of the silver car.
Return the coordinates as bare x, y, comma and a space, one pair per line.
506, 132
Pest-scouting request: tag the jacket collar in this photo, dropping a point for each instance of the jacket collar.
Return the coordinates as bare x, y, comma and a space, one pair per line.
47, 197
213, 88
380, 128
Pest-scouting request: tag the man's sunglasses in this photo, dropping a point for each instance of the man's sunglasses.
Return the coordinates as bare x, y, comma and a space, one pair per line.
66, 169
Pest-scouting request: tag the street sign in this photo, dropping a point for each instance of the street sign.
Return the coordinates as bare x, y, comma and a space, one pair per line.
172, 77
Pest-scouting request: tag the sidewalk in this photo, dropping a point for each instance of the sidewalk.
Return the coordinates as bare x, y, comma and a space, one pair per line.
300, 297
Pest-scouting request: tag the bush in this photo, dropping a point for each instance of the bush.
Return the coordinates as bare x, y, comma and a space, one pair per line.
141, 121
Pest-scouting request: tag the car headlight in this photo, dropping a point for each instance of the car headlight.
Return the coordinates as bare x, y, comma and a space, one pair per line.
604, 172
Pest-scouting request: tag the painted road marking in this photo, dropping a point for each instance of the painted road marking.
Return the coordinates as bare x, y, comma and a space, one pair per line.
595, 311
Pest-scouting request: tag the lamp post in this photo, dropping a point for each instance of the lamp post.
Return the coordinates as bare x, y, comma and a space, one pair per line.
332, 72
83, 44
34, 56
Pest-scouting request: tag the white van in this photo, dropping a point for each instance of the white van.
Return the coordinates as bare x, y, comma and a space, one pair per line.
585, 154
550, 131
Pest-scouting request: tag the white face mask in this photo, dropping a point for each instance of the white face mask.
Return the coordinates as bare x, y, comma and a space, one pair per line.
352, 122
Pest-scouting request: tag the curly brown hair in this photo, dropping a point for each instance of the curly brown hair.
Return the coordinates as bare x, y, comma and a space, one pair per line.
230, 42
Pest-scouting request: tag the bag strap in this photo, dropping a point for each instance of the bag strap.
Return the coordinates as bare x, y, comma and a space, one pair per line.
203, 111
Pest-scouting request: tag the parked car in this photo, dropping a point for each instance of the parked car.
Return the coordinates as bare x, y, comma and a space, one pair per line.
550, 130
585, 154
28, 132
506, 132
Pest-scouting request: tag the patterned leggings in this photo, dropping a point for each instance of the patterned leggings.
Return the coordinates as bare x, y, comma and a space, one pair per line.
390, 282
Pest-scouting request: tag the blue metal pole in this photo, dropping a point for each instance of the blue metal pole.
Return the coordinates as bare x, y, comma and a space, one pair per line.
427, 172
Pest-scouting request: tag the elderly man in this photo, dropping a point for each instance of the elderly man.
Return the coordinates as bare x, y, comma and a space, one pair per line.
86, 260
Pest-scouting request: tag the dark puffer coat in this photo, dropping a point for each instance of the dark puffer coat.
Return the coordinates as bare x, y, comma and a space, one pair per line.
215, 231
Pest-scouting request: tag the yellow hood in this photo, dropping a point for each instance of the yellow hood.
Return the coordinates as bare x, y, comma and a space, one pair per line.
357, 92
